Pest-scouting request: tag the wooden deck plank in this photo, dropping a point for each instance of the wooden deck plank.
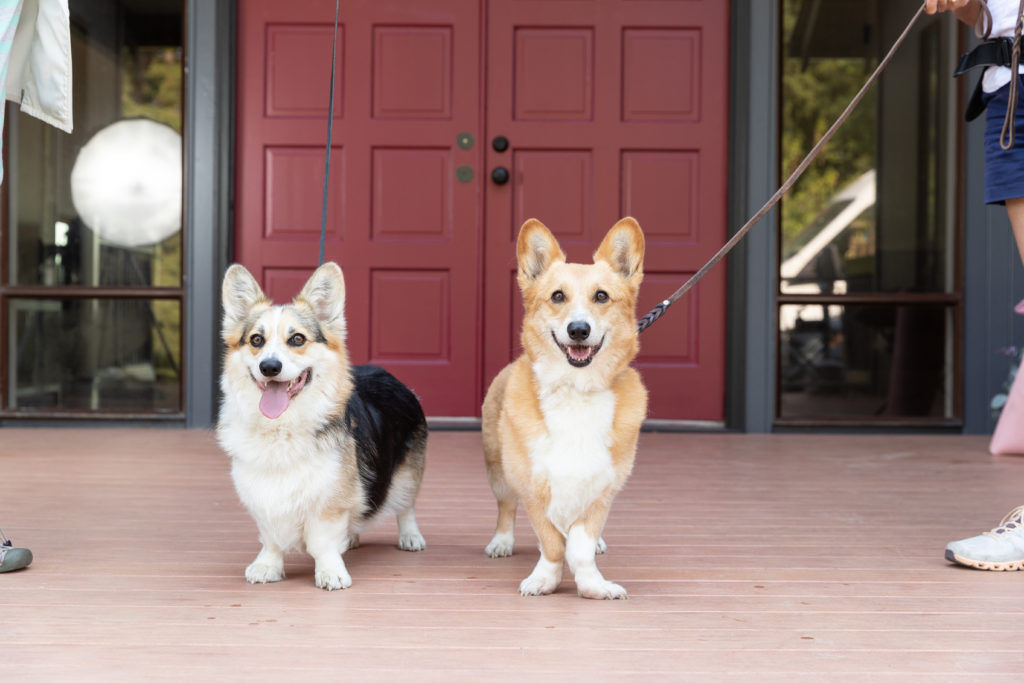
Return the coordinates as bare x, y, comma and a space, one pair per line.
781, 557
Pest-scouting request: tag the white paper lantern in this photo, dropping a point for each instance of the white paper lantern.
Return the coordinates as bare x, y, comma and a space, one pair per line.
126, 183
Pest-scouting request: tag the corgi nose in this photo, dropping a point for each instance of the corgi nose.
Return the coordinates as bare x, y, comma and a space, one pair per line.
270, 367
578, 331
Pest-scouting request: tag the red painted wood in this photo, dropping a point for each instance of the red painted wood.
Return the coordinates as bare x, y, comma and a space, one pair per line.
613, 108
405, 231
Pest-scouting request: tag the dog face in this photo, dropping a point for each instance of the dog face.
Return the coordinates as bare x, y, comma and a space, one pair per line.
580, 317
284, 354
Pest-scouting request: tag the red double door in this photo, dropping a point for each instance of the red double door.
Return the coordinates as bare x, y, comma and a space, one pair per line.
607, 107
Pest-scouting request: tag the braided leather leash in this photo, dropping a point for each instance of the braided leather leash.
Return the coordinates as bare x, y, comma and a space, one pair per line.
659, 310
1006, 135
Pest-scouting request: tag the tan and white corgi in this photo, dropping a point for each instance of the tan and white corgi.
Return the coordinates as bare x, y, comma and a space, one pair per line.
560, 423
319, 447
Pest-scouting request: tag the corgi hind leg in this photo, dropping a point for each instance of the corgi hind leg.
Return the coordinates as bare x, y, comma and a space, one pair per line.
409, 536
504, 532
402, 497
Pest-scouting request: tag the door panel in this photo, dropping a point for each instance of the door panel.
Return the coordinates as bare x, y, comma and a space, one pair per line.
404, 229
613, 108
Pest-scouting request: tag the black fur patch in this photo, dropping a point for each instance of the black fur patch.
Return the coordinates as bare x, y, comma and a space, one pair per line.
386, 421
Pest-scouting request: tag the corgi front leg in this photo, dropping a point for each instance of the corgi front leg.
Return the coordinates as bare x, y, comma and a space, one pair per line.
326, 539
581, 544
268, 566
546, 576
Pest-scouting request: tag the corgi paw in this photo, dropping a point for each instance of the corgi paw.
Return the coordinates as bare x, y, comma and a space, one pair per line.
602, 547
263, 573
332, 580
500, 545
602, 590
412, 541
535, 584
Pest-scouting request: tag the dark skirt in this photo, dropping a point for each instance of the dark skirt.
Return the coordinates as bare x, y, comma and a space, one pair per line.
1004, 169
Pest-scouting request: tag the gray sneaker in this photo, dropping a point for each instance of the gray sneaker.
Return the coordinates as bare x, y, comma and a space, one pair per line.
999, 550
12, 558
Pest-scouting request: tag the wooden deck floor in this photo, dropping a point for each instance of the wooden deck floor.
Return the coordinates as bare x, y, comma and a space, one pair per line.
753, 558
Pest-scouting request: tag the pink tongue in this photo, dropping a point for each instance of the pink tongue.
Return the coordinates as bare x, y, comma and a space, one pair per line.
579, 352
275, 400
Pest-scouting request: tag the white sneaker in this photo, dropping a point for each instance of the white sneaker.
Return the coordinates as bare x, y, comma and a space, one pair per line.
999, 550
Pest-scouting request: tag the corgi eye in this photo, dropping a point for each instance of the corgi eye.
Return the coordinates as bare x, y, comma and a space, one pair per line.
558, 297
256, 340
601, 296
296, 340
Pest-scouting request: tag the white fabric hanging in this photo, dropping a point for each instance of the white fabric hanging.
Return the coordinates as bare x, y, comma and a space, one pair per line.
39, 70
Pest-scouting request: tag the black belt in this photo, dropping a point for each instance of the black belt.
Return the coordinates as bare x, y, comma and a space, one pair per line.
995, 52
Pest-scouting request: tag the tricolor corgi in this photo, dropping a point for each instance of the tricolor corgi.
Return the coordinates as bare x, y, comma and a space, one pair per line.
318, 447
561, 422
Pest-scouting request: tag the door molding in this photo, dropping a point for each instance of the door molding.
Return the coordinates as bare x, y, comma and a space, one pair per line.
750, 363
210, 28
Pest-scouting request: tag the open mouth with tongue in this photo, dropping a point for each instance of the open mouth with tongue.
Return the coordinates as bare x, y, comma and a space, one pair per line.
578, 355
277, 395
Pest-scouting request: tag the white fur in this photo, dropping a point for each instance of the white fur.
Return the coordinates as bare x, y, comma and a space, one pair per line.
297, 474
573, 458
544, 578
580, 548
284, 482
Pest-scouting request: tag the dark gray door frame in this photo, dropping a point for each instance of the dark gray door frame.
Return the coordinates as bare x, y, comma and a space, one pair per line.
753, 178
209, 190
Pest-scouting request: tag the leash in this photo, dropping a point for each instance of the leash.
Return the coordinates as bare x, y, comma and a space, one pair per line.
1006, 135
983, 29
660, 309
330, 128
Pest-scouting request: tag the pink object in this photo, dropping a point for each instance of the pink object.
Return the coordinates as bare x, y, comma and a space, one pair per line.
1019, 308
1008, 437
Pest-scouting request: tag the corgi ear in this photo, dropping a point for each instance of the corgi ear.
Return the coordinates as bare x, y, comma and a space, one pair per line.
238, 294
623, 249
325, 293
536, 250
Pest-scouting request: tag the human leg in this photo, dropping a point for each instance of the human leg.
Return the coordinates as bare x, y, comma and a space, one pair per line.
1015, 211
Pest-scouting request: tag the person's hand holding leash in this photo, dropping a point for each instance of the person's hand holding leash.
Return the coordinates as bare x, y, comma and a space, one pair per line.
965, 10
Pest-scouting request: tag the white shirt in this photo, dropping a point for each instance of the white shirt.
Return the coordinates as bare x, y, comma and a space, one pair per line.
1004, 20
39, 75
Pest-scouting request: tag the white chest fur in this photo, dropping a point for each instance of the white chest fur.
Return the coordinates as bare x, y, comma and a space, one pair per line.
573, 458
282, 482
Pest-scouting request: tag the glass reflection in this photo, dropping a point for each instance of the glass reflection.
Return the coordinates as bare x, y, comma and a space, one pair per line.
95, 354
128, 71
866, 361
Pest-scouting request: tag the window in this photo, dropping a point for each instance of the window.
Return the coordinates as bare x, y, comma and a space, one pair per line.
869, 294
91, 245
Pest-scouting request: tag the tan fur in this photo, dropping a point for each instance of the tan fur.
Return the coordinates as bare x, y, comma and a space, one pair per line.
541, 393
297, 472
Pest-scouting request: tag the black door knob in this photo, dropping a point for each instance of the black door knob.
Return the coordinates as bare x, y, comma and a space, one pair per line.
499, 175
500, 143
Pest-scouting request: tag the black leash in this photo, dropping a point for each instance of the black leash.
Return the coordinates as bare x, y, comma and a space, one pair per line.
330, 128
660, 309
